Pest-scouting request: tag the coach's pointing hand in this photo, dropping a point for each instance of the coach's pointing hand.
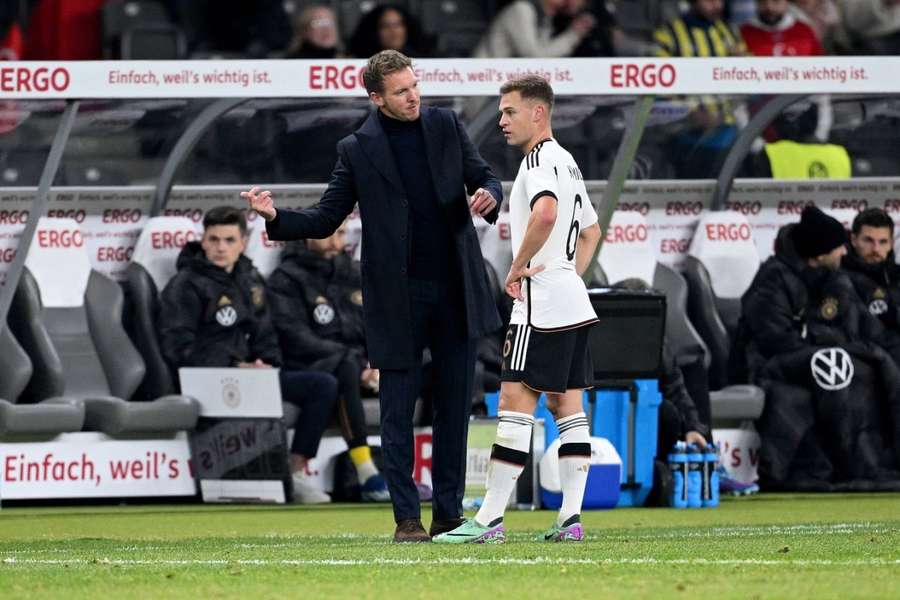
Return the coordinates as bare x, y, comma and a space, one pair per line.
261, 202
482, 202
514, 279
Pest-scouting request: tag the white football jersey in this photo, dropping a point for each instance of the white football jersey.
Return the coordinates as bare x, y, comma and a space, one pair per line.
555, 298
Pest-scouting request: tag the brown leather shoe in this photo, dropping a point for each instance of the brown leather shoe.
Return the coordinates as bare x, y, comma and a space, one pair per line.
444, 525
410, 531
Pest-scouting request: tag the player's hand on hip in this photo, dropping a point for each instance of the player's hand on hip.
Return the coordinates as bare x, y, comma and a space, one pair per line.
261, 202
482, 202
513, 284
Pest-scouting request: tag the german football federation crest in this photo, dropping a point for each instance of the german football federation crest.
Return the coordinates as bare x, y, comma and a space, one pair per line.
256, 295
829, 308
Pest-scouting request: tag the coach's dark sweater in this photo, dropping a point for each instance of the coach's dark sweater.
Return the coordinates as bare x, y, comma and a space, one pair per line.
430, 255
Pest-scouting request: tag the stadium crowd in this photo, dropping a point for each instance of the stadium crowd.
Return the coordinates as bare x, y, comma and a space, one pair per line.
94, 29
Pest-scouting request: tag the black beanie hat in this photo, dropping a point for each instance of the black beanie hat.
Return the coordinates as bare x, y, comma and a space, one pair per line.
817, 233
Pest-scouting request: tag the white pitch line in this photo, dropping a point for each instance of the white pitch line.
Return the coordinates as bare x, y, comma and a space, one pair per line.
356, 540
474, 561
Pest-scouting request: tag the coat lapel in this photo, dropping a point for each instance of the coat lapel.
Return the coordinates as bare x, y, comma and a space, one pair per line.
374, 143
433, 148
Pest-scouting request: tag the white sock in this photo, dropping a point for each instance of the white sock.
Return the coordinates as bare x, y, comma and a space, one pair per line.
574, 462
365, 470
508, 457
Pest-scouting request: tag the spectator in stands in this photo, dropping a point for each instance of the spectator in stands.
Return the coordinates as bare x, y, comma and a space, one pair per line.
317, 310
701, 32
251, 28
871, 26
822, 16
776, 31
871, 264
315, 34
390, 27
604, 39
808, 344
524, 28
215, 313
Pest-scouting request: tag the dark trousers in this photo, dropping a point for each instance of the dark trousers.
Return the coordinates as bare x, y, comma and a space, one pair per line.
316, 394
351, 415
438, 325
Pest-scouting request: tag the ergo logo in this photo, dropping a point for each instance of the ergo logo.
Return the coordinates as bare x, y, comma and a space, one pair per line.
630, 75
626, 233
55, 238
26, 79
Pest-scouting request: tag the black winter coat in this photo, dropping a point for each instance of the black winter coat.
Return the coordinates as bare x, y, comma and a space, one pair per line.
791, 306
879, 288
211, 318
317, 309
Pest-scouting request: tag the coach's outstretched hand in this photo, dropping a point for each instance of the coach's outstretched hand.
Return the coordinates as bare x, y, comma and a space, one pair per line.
261, 202
514, 279
482, 202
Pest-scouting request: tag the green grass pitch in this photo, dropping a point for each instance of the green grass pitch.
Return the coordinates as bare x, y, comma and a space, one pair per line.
770, 546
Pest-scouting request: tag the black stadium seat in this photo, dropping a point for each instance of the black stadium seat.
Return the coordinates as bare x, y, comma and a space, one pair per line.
720, 265
121, 16
68, 318
150, 269
53, 415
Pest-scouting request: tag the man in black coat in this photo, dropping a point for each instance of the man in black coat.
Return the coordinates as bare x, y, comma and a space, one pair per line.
215, 313
875, 274
810, 346
424, 283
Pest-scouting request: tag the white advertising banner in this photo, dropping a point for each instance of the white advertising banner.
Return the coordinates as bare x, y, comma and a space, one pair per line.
739, 452
92, 465
111, 218
449, 77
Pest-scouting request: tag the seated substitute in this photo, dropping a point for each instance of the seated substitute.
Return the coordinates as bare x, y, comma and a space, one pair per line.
832, 413
317, 309
215, 313
871, 265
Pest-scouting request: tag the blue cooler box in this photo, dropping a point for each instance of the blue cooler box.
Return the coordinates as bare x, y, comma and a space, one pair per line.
628, 415
603, 487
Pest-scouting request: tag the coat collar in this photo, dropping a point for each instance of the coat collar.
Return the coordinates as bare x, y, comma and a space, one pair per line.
374, 143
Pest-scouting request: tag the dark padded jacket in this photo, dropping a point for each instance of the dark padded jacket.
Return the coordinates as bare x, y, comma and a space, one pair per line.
317, 309
791, 306
211, 318
879, 288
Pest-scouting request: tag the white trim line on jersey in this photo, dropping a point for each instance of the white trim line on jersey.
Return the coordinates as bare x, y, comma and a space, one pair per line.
471, 561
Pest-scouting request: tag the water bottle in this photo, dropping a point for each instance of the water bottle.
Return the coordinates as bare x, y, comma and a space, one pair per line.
695, 476
710, 497
678, 465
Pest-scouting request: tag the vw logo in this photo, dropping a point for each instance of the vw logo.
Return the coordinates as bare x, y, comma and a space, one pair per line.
832, 368
878, 307
226, 316
323, 314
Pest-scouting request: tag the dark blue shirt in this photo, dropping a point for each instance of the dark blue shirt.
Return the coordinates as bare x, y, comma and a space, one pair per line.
430, 252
